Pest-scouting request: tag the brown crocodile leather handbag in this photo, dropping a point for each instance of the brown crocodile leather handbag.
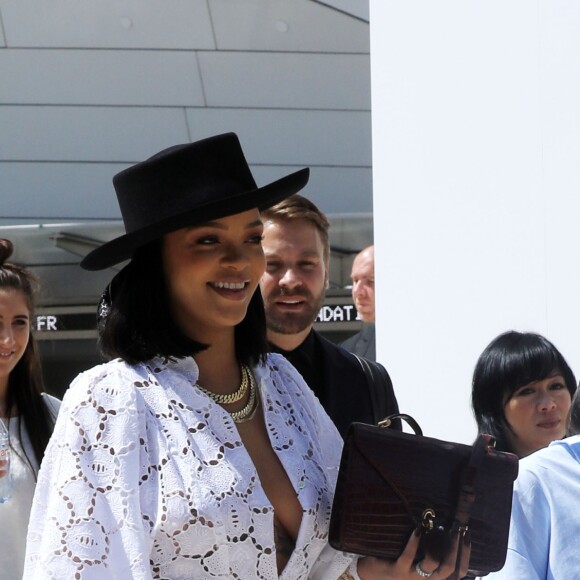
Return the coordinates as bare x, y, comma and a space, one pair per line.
391, 482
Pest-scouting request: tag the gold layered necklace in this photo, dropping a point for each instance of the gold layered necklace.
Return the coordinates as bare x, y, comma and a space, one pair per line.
237, 395
250, 408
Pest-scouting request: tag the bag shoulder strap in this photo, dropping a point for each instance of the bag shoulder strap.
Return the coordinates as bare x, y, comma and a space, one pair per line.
390, 419
379, 386
470, 476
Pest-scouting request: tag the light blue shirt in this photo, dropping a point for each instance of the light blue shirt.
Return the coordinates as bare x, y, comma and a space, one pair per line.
545, 523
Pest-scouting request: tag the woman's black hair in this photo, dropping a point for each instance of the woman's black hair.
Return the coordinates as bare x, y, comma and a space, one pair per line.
510, 361
135, 321
25, 382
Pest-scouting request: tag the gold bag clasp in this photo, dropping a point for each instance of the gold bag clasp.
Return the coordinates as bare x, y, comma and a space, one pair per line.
428, 520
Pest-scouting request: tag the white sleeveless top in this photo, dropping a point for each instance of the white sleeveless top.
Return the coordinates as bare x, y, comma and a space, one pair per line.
15, 513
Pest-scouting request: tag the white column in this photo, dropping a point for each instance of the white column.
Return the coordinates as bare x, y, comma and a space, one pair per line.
476, 172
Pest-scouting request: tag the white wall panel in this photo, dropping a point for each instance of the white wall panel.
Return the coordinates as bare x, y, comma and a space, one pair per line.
475, 133
358, 8
85, 190
286, 80
159, 24
63, 191
88, 133
273, 25
559, 24
107, 77
335, 190
293, 137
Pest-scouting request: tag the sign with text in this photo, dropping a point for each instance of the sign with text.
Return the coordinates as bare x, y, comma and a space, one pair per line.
65, 322
337, 313
333, 312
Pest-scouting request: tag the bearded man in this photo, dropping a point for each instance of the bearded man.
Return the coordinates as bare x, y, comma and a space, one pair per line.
293, 287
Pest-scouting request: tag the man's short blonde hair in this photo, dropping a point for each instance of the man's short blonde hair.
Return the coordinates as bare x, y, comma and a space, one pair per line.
297, 207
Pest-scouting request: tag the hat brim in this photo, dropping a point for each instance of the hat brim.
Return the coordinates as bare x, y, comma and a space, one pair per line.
122, 248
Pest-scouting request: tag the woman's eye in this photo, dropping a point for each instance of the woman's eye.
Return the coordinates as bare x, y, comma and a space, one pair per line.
207, 240
257, 239
525, 391
557, 386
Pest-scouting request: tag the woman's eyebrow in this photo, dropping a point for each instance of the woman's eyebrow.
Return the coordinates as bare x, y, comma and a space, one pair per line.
23, 315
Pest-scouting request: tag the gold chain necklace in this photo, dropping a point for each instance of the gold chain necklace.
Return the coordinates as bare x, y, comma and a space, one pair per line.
250, 408
237, 395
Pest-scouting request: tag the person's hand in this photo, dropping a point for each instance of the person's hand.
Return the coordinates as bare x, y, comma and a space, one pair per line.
406, 566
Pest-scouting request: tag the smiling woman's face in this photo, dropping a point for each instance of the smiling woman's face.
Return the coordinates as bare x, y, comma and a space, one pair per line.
14, 331
537, 414
212, 271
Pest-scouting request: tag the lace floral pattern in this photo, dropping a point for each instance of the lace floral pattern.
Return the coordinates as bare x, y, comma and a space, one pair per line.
146, 477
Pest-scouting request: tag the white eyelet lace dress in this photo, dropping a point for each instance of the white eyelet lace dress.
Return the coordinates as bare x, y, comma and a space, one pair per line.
145, 477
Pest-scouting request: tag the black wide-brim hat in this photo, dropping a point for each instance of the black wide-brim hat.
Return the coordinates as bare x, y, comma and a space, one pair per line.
183, 186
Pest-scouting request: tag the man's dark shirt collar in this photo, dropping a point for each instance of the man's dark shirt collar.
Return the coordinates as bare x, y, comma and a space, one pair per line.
307, 361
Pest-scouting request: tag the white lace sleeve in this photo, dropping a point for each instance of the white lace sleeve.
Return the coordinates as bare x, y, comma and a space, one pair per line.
86, 517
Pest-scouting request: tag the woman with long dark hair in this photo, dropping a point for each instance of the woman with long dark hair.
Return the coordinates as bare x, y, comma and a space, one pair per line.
25, 409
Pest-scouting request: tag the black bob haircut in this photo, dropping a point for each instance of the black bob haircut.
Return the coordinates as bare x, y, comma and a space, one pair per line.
135, 321
510, 361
